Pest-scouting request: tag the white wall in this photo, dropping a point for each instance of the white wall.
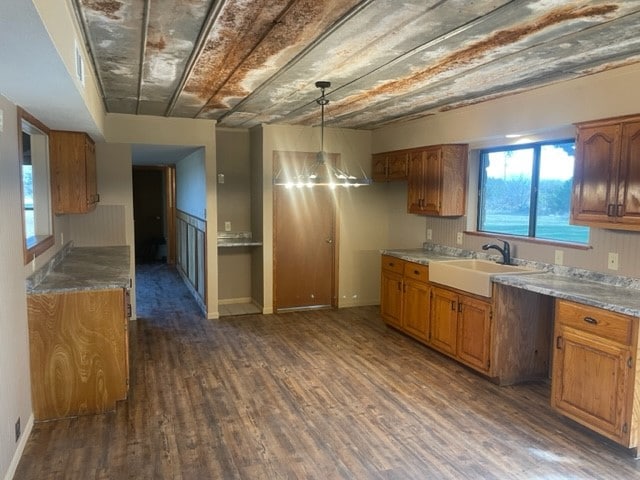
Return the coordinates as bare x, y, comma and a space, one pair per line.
15, 388
191, 185
543, 114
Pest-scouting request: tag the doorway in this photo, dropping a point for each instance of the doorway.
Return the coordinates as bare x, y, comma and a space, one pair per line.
304, 241
154, 213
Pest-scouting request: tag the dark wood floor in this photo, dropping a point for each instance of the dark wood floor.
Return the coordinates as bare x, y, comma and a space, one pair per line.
331, 394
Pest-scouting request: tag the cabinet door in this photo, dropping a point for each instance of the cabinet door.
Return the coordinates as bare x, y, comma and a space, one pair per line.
474, 329
91, 174
628, 207
391, 298
397, 166
594, 184
590, 382
415, 189
379, 167
444, 320
415, 311
432, 181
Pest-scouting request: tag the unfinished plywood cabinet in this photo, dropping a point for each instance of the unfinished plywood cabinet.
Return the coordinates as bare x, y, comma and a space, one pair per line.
607, 174
594, 378
390, 166
437, 180
73, 172
78, 352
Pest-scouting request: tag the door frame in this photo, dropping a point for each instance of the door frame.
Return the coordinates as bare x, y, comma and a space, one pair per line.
302, 156
169, 186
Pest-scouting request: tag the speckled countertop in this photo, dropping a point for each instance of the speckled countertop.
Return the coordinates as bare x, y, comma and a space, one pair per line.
82, 268
618, 294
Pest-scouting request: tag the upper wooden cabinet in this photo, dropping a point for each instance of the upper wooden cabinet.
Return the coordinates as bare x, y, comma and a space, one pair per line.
437, 180
73, 172
606, 186
389, 166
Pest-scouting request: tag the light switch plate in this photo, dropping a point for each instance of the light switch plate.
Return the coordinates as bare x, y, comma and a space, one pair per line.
459, 238
227, 226
612, 261
429, 234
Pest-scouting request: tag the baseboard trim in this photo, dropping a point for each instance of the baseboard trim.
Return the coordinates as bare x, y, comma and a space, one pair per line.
13, 466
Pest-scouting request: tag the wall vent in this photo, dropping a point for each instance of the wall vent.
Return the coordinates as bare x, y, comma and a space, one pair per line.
79, 64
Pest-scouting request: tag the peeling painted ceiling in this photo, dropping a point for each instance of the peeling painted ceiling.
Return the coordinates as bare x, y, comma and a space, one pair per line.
246, 62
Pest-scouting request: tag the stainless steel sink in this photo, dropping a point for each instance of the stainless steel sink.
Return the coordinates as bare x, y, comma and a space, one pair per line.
472, 275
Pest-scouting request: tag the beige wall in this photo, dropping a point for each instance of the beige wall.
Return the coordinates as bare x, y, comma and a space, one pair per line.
140, 129
234, 205
258, 275
15, 390
362, 212
543, 114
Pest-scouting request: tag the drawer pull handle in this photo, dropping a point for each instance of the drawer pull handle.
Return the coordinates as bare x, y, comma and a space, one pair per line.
591, 320
453, 305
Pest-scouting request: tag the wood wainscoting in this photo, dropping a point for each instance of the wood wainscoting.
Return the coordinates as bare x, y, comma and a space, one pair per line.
191, 241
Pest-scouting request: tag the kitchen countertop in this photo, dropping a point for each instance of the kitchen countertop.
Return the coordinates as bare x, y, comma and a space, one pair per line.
83, 268
617, 294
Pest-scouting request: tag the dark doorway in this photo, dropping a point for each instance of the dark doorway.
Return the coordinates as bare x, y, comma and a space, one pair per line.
149, 214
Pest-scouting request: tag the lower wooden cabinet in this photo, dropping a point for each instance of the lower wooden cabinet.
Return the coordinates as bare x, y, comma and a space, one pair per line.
78, 352
405, 296
594, 370
506, 337
461, 327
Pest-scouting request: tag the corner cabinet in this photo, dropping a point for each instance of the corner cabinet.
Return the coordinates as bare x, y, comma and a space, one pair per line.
595, 370
73, 172
607, 174
78, 351
437, 180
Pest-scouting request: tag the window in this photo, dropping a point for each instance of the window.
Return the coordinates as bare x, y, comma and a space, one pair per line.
36, 201
525, 190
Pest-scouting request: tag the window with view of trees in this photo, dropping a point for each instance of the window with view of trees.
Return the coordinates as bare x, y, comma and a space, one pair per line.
526, 190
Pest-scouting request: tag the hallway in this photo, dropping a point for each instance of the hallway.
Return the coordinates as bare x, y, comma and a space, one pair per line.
321, 394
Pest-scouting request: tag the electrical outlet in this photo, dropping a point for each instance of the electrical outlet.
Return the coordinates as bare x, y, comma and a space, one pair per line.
459, 238
1, 121
429, 234
612, 261
221, 178
559, 258
18, 429
227, 226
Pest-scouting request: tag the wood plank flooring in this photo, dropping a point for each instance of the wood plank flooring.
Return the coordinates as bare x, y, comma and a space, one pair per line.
313, 395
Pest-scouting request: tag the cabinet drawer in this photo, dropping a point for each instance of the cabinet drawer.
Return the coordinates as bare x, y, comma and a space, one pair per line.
416, 271
392, 264
602, 323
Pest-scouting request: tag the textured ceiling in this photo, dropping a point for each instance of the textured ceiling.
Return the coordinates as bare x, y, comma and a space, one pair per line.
246, 62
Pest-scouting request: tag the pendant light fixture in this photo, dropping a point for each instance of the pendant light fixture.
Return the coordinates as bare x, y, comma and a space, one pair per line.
321, 172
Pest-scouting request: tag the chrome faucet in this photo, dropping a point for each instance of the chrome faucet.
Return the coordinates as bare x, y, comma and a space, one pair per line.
505, 250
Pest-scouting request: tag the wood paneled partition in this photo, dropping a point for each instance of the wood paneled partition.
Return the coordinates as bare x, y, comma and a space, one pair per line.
191, 235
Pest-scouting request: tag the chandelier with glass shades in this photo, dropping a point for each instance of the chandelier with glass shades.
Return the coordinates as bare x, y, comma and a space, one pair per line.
321, 172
